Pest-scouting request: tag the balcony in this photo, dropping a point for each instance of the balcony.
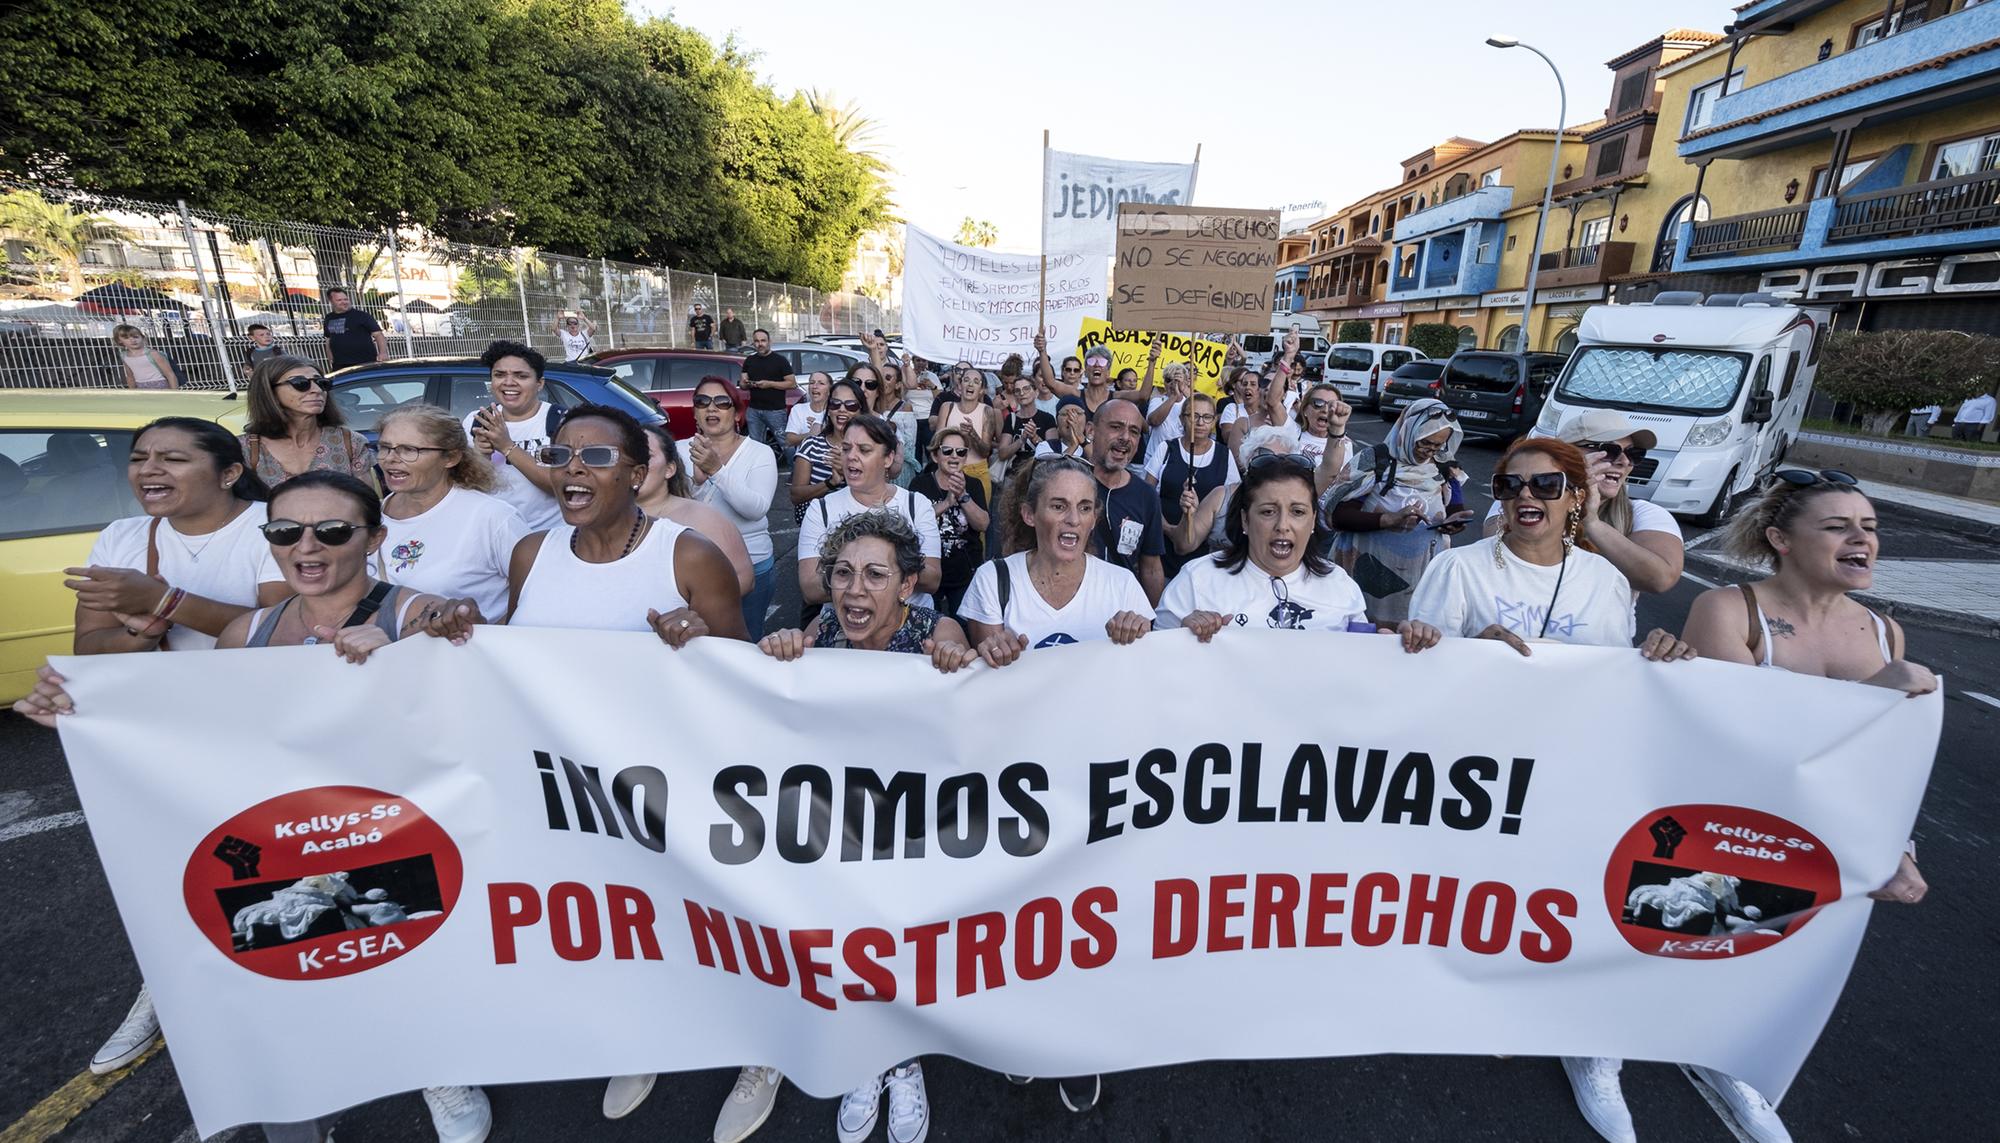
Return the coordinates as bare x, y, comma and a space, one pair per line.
1909, 72
1486, 204
1970, 202
1779, 229
1352, 296
1584, 265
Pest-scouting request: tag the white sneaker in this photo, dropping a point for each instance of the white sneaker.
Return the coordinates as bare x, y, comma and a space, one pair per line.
749, 1104
623, 1094
140, 1028
460, 1114
1594, 1079
858, 1109
909, 1106
1747, 1114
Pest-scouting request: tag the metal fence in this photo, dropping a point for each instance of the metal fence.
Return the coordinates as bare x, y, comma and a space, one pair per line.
77, 267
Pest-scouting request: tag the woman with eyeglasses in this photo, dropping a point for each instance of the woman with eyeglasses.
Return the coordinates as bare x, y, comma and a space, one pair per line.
322, 531
447, 533
294, 427
1271, 573
806, 417
1187, 469
974, 419
962, 518
868, 451
1538, 580
738, 477
1399, 507
664, 495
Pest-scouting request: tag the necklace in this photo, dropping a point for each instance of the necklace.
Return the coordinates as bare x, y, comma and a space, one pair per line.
193, 553
631, 541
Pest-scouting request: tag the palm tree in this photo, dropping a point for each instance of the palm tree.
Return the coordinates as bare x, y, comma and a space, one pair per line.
55, 232
851, 129
976, 232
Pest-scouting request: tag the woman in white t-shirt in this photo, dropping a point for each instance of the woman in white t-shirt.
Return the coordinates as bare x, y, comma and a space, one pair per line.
1272, 574
1537, 580
447, 533
739, 477
808, 415
869, 451
514, 428
1054, 592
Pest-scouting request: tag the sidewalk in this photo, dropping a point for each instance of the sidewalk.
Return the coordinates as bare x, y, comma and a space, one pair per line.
1956, 594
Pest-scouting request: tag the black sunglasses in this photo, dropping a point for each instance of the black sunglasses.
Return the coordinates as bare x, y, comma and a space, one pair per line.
1800, 478
1613, 451
1542, 486
1290, 459
871, 386
844, 405
332, 533
594, 456
710, 401
954, 453
301, 384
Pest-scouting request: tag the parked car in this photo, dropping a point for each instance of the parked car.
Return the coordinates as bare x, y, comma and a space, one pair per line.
668, 378
1357, 368
364, 393
808, 357
1412, 382
1499, 395
62, 478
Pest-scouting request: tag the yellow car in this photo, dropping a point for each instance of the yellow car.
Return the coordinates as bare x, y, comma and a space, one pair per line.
62, 478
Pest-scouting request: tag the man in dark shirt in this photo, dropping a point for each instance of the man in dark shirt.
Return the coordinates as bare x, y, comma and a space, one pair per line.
262, 347
733, 336
352, 336
1130, 529
768, 377
701, 327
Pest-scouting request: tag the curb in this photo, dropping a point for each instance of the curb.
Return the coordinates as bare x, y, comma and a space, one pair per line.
1729, 573
1945, 521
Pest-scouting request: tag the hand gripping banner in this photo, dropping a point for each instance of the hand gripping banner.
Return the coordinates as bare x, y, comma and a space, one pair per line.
551, 855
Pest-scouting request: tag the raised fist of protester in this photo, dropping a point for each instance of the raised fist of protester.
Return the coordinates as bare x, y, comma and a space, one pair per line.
1336, 421
1190, 501
784, 646
1907, 887
948, 656
1496, 632
1204, 624
1662, 647
1903, 675
1003, 648
1416, 636
1128, 627
676, 627
115, 589
47, 700
1153, 351
1041, 344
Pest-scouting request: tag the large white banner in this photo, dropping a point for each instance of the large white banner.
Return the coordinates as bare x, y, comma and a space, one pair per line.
1081, 193
550, 855
966, 303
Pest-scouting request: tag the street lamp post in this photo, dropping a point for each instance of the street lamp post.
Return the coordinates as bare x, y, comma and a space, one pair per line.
1548, 189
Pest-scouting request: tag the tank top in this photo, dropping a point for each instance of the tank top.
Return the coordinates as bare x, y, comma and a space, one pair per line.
564, 591
1762, 630
145, 373
972, 422
264, 622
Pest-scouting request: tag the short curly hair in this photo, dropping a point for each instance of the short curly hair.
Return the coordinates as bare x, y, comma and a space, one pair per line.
879, 524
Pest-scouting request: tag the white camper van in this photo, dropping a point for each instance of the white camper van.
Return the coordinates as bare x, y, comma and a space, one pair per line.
1722, 382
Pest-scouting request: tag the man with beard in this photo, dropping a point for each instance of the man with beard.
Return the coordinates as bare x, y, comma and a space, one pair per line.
1130, 530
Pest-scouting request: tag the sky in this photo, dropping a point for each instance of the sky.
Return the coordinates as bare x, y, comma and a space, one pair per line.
1290, 103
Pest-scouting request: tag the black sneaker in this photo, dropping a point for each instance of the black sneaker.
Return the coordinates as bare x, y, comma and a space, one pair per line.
1079, 1093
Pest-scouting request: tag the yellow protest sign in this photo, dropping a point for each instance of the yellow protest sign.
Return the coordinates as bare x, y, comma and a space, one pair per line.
1129, 347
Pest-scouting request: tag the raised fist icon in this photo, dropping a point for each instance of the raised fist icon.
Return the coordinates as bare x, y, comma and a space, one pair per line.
1667, 834
241, 857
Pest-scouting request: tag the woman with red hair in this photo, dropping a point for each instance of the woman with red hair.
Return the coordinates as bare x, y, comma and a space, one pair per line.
1538, 579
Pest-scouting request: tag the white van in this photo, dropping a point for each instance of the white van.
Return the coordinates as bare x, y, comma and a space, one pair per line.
1722, 383
1360, 369
1259, 348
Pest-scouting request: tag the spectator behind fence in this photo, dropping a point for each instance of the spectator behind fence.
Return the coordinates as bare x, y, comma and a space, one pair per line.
263, 347
733, 336
353, 337
142, 366
701, 327
1969, 424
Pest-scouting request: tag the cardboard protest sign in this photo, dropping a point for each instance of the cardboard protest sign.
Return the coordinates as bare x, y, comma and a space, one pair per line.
1194, 267
1130, 346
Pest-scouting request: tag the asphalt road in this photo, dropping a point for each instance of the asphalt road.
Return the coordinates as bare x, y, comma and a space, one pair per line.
1898, 1061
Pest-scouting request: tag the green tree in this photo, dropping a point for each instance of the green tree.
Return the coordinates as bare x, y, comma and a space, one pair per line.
1889, 372
1434, 339
1355, 330
55, 233
976, 232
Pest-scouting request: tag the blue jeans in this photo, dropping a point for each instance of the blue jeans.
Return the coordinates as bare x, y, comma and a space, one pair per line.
768, 425
759, 600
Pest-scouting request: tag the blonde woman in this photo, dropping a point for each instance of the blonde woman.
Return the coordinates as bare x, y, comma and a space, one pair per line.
448, 534
143, 366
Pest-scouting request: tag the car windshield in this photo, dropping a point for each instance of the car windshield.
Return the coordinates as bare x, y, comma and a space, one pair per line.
1645, 377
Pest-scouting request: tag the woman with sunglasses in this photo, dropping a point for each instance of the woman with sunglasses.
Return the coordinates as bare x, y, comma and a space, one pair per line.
1186, 470
976, 421
962, 518
1271, 573
806, 417
817, 469
663, 495
738, 477
294, 427
1538, 580
1319, 421
447, 533
1400, 507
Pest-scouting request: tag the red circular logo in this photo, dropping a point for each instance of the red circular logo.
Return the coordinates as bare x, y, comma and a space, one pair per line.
1705, 882
323, 882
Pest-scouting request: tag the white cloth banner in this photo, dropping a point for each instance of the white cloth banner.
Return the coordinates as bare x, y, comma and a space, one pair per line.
550, 855
1081, 193
965, 303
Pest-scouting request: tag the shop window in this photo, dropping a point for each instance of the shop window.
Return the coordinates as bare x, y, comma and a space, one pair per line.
1510, 340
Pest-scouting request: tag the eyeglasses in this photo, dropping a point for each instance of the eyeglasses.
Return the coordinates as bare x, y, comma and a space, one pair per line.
874, 577
332, 533
844, 405
405, 452
1541, 486
593, 456
1612, 452
1800, 478
301, 384
710, 401
952, 453
1264, 459
1202, 418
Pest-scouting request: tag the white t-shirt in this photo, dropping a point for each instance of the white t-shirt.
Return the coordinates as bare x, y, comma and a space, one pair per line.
537, 507
225, 565
1106, 590
802, 421
841, 504
1169, 429
1251, 598
1463, 593
461, 546
1977, 411
575, 345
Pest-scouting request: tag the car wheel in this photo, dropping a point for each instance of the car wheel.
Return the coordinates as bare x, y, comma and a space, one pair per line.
1724, 505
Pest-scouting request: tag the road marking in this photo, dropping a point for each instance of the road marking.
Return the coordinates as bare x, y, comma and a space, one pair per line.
1699, 580
193, 1136
1989, 700
47, 1119
41, 825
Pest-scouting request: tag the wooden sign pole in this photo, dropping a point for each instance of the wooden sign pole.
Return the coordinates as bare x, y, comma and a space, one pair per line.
1042, 294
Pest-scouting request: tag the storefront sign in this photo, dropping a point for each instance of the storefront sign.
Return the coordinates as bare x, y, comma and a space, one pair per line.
1510, 298
1898, 278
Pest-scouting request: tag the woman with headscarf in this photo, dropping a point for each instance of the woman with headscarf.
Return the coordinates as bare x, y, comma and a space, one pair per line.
1401, 508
